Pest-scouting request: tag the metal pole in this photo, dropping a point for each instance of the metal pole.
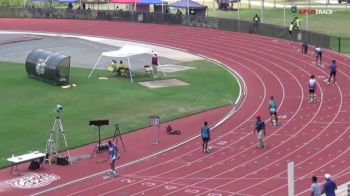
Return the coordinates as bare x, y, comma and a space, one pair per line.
261, 11
291, 178
307, 18
284, 14
239, 7
188, 7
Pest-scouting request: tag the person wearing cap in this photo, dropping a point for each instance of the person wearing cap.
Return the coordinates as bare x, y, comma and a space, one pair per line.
154, 65
329, 187
315, 187
260, 132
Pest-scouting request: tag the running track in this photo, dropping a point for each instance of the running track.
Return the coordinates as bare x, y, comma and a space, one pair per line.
314, 136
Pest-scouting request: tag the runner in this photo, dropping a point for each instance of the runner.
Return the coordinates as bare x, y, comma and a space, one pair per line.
318, 52
205, 133
113, 155
273, 111
312, 88
333, 72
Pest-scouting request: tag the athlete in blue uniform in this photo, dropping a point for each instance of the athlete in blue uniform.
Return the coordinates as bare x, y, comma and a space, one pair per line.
205, 133
113, 155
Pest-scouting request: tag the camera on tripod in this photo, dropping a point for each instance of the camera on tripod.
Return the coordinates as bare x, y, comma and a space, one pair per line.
59, 108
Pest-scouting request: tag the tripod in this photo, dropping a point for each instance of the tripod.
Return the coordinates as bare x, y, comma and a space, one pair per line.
52, 143
118, 134
155, 121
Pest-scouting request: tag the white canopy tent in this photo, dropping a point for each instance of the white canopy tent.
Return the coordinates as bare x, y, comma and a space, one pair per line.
126, 51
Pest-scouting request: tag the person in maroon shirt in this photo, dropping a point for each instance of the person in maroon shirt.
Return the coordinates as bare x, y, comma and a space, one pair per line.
154, 65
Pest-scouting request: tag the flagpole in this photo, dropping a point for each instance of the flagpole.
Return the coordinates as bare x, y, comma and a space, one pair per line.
239, 6
262, 11
135, 7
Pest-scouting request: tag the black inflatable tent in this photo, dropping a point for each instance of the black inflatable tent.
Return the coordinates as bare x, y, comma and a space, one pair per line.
48, 66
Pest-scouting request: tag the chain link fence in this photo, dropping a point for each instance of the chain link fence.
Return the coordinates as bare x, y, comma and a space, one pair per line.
325, 41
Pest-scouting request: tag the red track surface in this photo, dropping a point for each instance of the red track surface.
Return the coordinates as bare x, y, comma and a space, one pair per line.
314, 136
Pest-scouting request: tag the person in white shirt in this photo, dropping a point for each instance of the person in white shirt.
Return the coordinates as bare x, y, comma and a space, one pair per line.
315, 187
318, 52
312, 88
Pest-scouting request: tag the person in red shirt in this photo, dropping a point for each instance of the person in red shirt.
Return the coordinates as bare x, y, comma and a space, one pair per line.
154, 65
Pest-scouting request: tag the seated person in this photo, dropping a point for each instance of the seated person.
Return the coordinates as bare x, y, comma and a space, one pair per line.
170, 131
113, 67
179, 12
122, 70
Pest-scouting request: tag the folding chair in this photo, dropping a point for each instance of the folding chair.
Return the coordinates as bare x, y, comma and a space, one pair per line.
148, 70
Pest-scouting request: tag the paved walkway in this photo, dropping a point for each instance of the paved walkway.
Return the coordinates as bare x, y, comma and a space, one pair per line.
72, 45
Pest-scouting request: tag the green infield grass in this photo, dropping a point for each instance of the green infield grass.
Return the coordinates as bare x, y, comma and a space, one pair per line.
333, 24
28, 105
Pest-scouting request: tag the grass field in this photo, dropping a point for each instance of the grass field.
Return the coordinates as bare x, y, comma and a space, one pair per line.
333, 25
28, 106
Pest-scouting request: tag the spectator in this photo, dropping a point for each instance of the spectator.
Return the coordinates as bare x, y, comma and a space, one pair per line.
70, 6
256, 22
178, 12
113, 67
304, 47
315, 187
122, 70
84, 5
290, 30
256, 19
329, 187
155, 65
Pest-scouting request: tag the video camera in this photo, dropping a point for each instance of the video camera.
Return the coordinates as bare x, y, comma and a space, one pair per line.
59, 108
